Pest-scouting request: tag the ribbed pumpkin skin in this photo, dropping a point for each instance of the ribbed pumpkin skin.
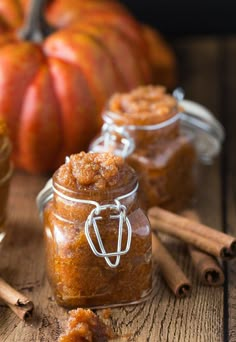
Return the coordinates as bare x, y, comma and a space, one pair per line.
52, 94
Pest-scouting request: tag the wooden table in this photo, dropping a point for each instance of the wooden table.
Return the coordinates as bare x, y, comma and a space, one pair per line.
208, 70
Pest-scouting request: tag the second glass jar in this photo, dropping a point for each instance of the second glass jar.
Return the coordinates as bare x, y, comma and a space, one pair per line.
144, 127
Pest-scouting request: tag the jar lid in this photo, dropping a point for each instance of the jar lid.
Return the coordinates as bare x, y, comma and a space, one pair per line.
208, 133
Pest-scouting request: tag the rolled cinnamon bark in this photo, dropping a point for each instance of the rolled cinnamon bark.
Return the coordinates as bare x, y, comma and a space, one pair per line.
201, 236
18, 303
207, 267
170, 270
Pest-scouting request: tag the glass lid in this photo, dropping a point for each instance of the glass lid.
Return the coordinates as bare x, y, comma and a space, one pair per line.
207, 131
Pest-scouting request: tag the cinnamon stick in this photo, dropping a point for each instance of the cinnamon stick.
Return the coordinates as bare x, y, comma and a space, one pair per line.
170, 270
18, 303
197, 234
207, 267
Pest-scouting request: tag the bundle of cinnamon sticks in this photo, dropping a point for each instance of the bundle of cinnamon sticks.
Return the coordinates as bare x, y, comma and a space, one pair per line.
206, 247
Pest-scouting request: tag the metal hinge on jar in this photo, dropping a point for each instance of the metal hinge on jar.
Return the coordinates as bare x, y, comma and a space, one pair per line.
113, 138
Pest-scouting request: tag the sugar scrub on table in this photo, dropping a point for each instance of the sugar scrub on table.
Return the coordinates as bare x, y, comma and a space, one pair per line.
85, 325
94, 212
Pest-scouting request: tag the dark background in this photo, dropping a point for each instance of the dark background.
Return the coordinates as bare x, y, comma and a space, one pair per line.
175, 17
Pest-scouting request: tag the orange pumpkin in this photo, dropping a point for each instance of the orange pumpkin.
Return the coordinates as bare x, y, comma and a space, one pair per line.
53, 91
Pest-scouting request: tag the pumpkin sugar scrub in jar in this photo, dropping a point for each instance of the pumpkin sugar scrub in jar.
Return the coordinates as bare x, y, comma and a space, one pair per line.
5, 175
163, 159
147, 127
98, 240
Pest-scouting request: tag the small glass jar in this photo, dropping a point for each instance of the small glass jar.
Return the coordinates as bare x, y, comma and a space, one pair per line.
149, 129
5, 176
98, 244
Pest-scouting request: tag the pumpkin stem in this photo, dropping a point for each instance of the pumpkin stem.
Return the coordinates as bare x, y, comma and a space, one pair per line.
36, 28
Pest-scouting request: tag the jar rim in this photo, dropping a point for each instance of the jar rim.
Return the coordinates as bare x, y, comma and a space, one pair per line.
85, 193
46, 194
160, 125
90, 201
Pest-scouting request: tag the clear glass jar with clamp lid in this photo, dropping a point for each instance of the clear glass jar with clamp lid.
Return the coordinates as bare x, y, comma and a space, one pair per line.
162, 137
98, 240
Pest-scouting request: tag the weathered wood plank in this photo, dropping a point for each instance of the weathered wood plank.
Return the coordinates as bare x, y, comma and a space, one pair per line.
229, 108
231, 288
162, 318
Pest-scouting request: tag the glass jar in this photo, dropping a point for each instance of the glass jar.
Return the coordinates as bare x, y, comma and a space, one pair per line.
5, 176
98, 244
159, 141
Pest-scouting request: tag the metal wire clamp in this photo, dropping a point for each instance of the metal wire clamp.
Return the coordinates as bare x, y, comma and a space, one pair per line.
118, 212
109, 140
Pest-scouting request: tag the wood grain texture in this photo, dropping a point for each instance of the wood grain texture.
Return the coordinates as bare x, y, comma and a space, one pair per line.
162, 317
229, 119
231, 288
